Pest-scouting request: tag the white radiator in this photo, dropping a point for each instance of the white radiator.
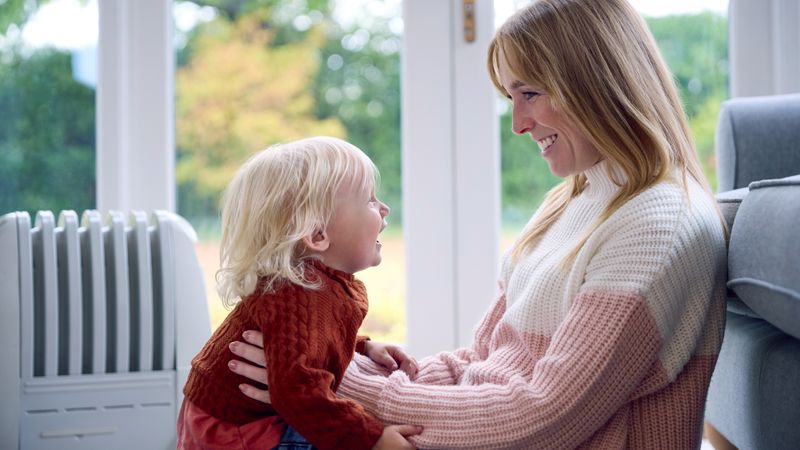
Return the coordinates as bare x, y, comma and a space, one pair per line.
99, 320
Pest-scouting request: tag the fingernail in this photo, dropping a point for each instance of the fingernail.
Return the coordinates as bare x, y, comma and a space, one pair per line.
232, 346
246, 334
232, 364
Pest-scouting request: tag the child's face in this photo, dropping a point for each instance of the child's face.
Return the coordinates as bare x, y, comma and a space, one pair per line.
358, 218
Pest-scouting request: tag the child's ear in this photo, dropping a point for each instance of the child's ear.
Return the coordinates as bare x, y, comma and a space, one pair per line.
317, 241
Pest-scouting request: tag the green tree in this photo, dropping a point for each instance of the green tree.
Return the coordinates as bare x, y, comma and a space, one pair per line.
696, 49
47, 135
359, 83
235, 96
255, 75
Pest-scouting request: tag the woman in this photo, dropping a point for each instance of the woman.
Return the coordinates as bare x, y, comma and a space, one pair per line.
610, 314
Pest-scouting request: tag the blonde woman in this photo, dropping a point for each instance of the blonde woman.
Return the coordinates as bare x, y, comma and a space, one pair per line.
609, 318
298, 220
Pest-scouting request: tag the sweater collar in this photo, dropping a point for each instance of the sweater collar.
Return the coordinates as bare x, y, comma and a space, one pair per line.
329, 271
601, 178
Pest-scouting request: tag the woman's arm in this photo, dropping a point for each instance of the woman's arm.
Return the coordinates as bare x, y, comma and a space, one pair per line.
443, 368
446, 368
602, 351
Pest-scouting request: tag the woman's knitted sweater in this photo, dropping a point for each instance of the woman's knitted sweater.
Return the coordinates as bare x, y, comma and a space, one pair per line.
616, 351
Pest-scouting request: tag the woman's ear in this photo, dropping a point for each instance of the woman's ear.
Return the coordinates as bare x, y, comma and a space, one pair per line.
317, 241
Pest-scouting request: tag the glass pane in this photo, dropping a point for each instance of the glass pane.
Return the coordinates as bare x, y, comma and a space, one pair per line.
253, 73
693, 37
47, 105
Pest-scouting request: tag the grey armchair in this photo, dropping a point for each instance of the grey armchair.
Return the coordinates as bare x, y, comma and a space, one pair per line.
754, 397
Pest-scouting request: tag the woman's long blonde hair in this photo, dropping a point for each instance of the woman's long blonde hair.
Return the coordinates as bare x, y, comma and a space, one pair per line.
601, 67
277, 197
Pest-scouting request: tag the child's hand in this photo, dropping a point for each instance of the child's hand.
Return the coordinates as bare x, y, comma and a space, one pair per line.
393, 437
391, 356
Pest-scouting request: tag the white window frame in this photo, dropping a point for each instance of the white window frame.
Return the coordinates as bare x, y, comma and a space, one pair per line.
135, 106
764, 47
451, 174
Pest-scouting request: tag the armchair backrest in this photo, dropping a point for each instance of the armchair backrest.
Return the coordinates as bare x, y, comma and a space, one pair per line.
758, 138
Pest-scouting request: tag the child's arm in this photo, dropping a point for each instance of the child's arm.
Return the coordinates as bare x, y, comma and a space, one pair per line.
392, 357
444, 368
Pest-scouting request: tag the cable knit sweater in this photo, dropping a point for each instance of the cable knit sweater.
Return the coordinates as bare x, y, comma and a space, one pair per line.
309, 340
614, 352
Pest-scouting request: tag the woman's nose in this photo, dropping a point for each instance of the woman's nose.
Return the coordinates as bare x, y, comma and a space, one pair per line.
521, 121
385, 209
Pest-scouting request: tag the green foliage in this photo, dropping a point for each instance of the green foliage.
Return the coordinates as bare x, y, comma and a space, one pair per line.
47, 135
359, 84
251, 78
237, 95
696, 49
15, 12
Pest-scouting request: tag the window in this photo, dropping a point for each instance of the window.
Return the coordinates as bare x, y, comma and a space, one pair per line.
47, 105
257, 73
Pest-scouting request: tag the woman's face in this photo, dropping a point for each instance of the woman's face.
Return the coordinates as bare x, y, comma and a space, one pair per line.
566, 150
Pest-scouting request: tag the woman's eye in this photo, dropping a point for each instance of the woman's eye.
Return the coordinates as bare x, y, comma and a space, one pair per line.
530, 95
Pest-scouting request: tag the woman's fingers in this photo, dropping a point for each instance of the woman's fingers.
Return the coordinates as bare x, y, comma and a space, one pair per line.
249, 352
252, 350
250, 371
254, 393
254, 337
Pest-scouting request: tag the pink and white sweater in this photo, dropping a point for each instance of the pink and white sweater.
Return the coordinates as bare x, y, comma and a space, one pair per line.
615, 352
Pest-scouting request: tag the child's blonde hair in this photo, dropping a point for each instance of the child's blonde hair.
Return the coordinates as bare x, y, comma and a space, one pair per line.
276, 198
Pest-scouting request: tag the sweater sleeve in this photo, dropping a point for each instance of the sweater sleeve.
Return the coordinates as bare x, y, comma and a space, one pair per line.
443, 368
599, 355
301, 389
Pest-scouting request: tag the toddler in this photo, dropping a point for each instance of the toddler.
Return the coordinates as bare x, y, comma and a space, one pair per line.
298, 220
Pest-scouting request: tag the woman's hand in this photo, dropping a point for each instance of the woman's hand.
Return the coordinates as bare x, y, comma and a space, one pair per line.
394, 437
391, 357
251, 350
